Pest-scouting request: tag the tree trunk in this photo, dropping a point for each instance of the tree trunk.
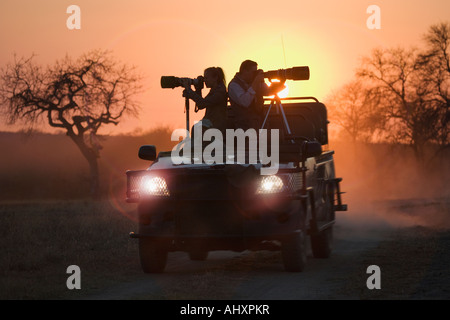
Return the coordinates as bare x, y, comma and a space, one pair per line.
94, 178
419, 153
91, 158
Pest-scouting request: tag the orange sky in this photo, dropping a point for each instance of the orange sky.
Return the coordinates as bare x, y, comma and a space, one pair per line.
182, 38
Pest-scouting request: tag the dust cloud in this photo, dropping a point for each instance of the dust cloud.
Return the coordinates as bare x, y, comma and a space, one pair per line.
386, 187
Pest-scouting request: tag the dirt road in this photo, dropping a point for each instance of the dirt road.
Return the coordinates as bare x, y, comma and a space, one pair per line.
414, 260
408, 239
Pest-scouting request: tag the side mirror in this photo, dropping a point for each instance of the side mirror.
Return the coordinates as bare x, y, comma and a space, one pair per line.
311, 149
147, 152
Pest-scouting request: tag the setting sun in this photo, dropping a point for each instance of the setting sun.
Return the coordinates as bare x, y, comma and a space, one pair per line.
283, 93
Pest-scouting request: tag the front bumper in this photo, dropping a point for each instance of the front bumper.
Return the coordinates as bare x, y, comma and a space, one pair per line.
235, 242
220, 225
222, 211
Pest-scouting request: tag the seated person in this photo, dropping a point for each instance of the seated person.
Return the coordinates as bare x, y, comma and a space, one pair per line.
246, 91
215, 102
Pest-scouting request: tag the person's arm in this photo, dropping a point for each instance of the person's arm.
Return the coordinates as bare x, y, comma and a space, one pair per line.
212, 98
260, 86
265, 89
240, 96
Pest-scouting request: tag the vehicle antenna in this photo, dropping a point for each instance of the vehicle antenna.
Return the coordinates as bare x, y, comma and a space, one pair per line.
284, 53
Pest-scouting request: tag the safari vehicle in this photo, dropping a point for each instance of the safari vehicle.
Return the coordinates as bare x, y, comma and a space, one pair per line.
201, 207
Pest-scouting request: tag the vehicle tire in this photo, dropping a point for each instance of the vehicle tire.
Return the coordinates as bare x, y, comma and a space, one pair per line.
321, 243
198, 255
293, 252
197, 250
153, 255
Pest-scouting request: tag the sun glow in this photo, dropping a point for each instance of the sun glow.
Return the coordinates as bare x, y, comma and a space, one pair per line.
283, 93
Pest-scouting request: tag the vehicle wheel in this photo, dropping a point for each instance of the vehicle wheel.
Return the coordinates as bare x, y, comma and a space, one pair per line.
153, 255
321, 244
293, 252
197, 251
198, 255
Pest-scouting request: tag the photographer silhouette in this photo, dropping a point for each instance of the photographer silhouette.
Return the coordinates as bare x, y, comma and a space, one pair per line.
215, 102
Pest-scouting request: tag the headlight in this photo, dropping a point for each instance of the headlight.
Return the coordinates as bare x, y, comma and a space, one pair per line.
270, 184
155, 186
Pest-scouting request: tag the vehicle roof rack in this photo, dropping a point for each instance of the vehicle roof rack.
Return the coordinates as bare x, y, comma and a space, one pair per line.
294, 98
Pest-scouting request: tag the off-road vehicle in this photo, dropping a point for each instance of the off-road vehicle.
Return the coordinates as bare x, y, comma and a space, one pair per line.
201, 207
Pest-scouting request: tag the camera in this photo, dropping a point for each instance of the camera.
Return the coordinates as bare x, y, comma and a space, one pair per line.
294, 73
173, 82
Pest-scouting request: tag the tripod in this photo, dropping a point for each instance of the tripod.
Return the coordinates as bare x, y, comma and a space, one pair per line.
198, 90
276, 101
186, 110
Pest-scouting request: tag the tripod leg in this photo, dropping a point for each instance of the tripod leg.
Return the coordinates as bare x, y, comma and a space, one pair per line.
286, 124
187, 115
267, 114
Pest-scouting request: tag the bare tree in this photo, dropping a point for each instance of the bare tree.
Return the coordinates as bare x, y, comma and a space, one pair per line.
78, 96
394, 78
353, 107
434, 67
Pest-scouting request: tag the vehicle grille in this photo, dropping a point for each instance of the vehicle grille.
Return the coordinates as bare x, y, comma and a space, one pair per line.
206, 185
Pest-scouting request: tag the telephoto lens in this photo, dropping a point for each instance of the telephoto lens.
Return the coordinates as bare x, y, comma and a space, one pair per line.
170, 82
294, 73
